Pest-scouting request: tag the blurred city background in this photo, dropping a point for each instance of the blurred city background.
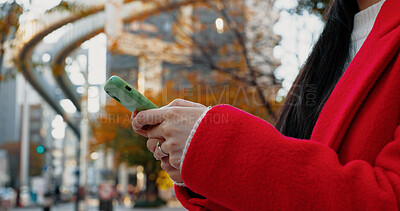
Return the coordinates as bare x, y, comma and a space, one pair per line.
65, 145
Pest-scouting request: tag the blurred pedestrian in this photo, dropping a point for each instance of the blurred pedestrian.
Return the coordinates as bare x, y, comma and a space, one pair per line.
57, 195
336, 144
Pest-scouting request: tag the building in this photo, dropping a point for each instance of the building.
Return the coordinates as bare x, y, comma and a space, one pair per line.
10, 105
192, 38
196, 39
4, 176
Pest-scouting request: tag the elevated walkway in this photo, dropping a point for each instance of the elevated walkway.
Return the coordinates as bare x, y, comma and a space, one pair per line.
85, 24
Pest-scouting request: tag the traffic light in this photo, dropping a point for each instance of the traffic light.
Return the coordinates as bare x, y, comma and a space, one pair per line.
40, 149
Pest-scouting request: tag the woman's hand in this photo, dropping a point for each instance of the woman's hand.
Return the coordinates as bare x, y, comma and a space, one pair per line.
171, 126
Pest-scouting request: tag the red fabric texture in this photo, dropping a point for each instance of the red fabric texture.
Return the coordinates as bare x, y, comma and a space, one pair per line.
240, 162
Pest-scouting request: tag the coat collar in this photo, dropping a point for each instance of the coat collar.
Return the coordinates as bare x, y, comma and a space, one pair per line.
381, 45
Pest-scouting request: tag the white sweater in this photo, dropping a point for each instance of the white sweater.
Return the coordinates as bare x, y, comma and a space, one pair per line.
363, 23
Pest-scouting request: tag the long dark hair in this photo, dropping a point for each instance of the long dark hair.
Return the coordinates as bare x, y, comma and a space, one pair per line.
320, 73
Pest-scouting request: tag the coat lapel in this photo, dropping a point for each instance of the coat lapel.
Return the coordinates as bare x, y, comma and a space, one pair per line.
381, 45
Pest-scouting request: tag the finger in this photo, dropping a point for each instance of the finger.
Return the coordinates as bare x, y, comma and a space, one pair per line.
173, 150
173, 173
184, 103
134, 115
148, 117
142, 131
160, 153
155, 132
152, 144
165, 165
175, 160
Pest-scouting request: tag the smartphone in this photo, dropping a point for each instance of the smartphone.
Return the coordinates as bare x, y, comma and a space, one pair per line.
126, 95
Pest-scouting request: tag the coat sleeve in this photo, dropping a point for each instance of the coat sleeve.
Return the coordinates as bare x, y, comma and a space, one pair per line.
253, 166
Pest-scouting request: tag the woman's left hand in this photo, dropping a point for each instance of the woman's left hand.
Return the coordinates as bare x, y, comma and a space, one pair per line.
171, 126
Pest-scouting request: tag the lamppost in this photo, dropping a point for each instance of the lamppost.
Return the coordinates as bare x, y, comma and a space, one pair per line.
83, 154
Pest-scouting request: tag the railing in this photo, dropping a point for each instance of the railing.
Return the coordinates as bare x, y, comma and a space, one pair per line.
80, 28
83, 29
31, 26
28, 36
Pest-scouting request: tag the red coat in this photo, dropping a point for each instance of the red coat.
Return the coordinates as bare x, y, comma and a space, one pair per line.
352, 162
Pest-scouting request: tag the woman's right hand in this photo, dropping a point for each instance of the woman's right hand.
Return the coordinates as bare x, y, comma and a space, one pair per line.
151, 132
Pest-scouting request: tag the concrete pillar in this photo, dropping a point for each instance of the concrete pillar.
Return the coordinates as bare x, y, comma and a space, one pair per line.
84, 142
24, 152
150, 75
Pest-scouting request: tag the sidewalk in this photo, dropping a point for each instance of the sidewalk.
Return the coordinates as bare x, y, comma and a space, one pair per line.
70, 207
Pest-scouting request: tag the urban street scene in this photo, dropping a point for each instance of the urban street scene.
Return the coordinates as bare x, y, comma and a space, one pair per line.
81, 82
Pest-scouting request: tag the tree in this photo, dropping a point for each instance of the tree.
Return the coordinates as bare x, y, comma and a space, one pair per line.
112, 130
236, 69
318, 7
229, 47
223, 69
247, 56
9, 23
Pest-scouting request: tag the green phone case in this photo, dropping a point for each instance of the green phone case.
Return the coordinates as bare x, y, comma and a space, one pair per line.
127, 96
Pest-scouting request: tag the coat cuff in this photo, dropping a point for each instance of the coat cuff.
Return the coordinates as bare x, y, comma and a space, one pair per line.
195, 202
189, 139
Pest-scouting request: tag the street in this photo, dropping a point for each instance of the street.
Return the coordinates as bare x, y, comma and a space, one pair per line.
70, 207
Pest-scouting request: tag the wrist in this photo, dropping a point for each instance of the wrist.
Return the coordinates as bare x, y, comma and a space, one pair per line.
181, 184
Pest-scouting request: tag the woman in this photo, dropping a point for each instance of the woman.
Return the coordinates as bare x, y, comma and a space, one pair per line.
339, 152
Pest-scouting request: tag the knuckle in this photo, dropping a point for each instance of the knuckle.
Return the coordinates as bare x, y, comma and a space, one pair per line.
174, 145
166, 130
169, 146
172, 112
140, 118
177, 101
175, 161
165, 166
166, 146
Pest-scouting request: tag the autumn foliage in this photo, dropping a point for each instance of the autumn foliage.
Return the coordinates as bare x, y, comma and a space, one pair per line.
222, 72
112, 128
